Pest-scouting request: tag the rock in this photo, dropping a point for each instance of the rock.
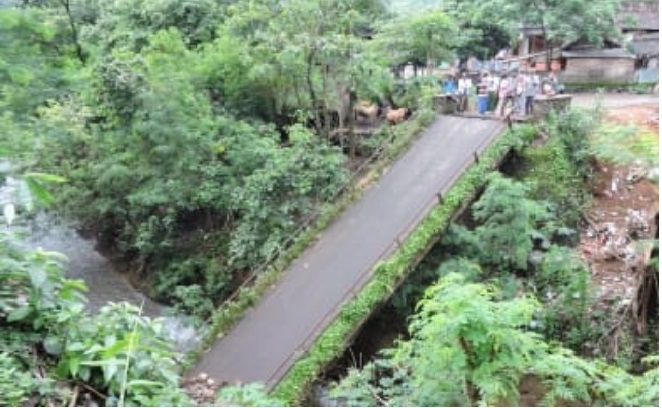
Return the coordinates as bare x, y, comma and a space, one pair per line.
535, 258
635, 174
210, 382
203, 376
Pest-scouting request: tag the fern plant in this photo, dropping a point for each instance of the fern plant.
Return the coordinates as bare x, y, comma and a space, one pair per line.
510, 223
465, 349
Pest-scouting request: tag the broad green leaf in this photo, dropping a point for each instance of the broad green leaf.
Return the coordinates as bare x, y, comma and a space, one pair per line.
74, 365
75, 346
38, 191
18, 314
116, 348
53, 345
110, 369
37, 277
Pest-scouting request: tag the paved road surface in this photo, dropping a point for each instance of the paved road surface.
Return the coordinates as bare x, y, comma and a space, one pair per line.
268, 340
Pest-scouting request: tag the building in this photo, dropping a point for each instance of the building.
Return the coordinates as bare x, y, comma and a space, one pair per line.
531, 42
640, 25
584, 63
633, 58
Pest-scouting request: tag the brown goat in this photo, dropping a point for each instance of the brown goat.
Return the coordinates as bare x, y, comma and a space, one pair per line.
395, 116
367, 110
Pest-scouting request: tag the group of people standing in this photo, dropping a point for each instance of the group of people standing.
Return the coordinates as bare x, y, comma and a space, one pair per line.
501, 94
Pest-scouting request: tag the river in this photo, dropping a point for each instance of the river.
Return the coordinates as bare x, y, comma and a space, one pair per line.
105, 284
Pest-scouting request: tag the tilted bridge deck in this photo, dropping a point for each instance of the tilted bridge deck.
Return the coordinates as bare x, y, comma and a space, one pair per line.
286, 321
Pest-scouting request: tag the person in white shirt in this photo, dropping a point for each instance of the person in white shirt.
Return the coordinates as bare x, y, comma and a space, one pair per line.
464, 87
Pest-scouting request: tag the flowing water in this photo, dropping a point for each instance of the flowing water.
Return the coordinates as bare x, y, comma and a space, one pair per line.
105, 284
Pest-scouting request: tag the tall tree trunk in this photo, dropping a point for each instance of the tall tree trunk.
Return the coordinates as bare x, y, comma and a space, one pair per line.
74, 31
548, 49
311, 92
352, 136
327, 117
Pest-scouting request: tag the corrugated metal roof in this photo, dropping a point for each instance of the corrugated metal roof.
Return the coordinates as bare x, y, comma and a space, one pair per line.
598, 53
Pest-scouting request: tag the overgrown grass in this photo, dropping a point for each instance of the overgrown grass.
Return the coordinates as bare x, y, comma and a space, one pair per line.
230, 312
389, 273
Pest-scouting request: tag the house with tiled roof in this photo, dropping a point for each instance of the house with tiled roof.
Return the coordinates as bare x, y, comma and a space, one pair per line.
634, 57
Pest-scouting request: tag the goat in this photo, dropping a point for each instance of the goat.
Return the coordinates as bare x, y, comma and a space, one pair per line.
395, 116
367, 110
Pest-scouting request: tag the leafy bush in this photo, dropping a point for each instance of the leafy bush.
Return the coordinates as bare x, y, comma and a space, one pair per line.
562, 281
461, 330
509, 225
17, 385
247, 395
573, 127
163, 175
121, 354
482, 347
552, 177
558, 170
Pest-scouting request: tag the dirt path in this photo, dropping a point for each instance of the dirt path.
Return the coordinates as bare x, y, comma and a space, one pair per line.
270, 338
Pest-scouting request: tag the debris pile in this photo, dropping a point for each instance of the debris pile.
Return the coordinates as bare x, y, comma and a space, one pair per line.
201, 388
616, 241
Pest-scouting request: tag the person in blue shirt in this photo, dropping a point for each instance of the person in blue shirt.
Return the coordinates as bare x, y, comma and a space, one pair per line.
450, 86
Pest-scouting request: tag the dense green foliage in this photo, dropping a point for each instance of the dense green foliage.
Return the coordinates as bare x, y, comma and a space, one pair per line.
481, 345
199, 138
517, 237
515, 244
196, 137
47, 338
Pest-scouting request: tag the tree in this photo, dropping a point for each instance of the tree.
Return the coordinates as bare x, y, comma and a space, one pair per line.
425, 38
561, 21
193, 197
484, 34
127, 24
305, 61
33, 66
